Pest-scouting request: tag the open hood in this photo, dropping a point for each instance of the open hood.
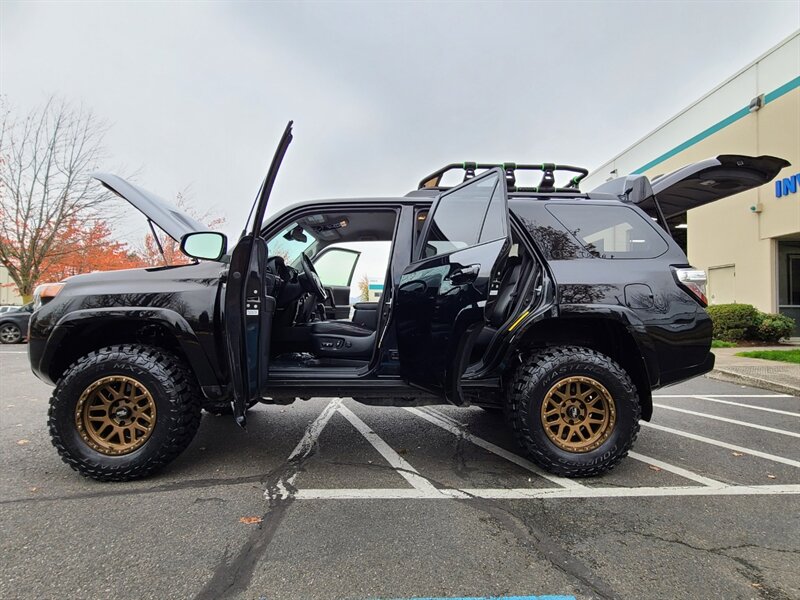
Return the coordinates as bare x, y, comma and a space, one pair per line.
709, 180
173, 222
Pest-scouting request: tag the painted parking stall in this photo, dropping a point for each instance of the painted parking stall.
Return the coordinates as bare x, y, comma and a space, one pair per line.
420, 487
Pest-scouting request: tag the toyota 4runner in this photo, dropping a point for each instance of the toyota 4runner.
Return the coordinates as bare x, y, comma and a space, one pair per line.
562, 308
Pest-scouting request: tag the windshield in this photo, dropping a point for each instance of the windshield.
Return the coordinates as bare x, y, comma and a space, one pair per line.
289, 243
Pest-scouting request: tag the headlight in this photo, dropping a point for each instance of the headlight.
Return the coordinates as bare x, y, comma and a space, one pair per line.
44, 293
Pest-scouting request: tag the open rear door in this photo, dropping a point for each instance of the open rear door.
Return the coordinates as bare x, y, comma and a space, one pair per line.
442, 295
249, 307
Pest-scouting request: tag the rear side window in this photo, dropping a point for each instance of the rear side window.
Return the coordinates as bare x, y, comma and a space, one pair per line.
458, 218
610, 231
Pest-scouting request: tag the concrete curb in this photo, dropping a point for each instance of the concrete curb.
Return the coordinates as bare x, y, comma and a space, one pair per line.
733, 377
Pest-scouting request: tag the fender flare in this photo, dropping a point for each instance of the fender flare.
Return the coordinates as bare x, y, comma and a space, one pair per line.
71, 323
631, 323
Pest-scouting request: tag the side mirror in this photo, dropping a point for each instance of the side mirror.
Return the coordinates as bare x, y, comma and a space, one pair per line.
207, 245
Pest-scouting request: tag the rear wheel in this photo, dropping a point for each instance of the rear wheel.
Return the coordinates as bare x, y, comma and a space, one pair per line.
575, 411
123, 412
10, 333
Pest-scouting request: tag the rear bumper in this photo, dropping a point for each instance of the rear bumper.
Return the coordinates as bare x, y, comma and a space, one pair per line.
673, 377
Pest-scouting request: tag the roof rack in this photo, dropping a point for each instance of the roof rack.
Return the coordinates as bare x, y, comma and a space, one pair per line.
546, 185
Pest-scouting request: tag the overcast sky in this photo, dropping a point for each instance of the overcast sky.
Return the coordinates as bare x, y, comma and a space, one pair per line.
381, 94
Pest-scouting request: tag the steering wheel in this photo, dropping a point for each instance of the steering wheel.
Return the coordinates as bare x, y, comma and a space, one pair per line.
311, 278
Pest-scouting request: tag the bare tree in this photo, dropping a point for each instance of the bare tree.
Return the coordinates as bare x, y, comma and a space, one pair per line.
45, 163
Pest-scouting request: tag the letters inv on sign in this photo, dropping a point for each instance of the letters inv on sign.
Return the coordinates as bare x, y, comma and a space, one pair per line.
787, 185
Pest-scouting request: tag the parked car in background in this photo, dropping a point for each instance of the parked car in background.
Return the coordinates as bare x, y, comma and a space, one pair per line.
14, 324
9, 307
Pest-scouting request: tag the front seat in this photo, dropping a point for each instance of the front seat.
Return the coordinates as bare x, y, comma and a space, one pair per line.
342, 339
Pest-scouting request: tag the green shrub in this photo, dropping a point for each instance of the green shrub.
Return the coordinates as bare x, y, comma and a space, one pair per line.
774, 327
734, 322
737, 322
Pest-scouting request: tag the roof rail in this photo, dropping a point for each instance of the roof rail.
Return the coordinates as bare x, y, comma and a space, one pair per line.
546, 185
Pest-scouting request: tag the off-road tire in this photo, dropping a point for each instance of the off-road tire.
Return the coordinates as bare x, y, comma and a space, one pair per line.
538, 373
177, 400
12, 334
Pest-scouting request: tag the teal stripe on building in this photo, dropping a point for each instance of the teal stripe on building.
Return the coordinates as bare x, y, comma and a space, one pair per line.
729, 120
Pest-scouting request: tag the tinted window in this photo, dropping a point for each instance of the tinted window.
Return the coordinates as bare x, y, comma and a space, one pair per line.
494, 225
610, 231
457, 220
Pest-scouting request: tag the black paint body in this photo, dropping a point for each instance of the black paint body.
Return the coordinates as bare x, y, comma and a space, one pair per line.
631, 309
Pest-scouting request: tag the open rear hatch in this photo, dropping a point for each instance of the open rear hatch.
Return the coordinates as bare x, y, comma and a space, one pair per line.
695, 184
709, 180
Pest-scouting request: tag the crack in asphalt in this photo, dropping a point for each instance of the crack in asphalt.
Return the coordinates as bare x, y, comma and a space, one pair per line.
753, 572
529, 536
233, 575
159, 489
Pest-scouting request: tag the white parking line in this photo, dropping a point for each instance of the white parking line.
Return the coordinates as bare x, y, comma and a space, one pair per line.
306, 444
721, 444
530, 493
727, 420
457, 429
716, 398
423, 490
725, 395
685, 473
764, 408
397, 462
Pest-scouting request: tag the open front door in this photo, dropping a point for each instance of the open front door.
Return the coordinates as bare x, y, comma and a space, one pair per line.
442, 295
249, 307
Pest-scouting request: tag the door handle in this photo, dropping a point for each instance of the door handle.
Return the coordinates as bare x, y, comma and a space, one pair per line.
464, 275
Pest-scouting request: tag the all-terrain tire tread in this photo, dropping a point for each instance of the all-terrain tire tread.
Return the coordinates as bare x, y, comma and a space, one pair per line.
535, 367
184, 400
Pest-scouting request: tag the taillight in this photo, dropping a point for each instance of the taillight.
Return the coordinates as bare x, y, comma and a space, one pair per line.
694, 282
44, 293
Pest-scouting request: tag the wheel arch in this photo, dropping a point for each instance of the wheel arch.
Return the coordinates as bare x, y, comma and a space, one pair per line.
610, 336
82, 331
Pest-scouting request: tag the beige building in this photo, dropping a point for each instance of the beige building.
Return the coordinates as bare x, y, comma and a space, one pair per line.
8, 289
749, 244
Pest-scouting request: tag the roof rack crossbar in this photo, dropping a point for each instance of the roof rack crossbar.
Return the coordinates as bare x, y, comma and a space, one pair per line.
546, 185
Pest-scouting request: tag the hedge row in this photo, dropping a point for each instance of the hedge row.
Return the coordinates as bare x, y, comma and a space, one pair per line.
737, 322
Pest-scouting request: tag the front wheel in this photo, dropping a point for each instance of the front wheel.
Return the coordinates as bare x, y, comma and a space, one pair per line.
123, 412
575, 411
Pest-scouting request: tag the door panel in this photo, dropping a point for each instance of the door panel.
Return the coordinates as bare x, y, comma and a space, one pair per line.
338, 306
441, 298
249, 305
335, 267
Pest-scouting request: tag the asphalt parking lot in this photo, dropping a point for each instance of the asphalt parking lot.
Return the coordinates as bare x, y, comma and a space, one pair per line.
342, 500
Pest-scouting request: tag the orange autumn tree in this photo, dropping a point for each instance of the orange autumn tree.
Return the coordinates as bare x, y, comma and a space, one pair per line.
83, 247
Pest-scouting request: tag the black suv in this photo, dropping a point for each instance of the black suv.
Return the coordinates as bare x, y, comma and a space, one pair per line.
563, 309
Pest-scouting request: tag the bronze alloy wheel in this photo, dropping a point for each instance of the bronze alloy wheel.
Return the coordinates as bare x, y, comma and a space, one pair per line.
115, 415
578, 414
